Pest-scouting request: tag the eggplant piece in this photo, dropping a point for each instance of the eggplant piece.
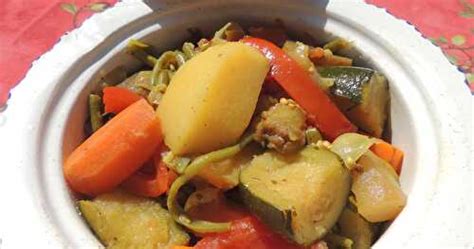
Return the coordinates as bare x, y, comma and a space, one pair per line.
299, 195
362, 94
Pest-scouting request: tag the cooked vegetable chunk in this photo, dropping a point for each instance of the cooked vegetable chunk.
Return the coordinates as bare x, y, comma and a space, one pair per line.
95, 106
225, 174
362, 94
299, 195
389, 153
282, 127
350, 147
299, 52
211, 98
125, 221
337, 241
313, 136
376, 189
115, 151
248, 233
303, 88
327, 58
353, 226
116, 99
139, 83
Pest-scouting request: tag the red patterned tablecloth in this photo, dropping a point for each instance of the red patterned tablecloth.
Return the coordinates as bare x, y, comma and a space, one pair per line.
28, 28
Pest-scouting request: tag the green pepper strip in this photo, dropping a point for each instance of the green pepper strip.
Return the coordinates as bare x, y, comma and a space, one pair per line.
188, 50
138, 49
167, 58
192, 170
95, 103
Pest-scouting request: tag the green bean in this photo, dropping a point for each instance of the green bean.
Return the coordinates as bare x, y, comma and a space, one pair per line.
95, 103
180, 58
204, 44
188, 50
158, 68
159, 76
138, 49
337, 44
338, 241
164, 77
156, 94
313, 135
176, 163
170, 74
230, 32
192, 170
169, 60
138, 44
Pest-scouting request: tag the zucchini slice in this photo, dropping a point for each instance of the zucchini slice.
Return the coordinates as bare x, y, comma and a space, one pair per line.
299, 195
125, 221
362, 94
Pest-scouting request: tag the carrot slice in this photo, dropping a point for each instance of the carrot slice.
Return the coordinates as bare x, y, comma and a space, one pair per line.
316, 53
115, 151
389, 153
397, 160
152, 185
117, 99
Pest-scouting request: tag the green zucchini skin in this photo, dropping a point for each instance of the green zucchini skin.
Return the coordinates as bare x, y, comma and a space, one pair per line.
348, 82
121, 221
278, 219
300, 195
362, 94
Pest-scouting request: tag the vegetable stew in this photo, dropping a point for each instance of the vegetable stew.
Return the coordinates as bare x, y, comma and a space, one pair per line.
247, 139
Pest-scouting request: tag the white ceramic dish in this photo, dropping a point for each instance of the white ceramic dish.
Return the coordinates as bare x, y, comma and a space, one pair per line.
431, 113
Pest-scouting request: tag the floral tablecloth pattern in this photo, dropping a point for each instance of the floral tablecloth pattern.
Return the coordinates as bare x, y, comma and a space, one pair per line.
29, 28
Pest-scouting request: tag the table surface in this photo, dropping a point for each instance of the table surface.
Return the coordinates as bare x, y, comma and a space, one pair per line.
29, 28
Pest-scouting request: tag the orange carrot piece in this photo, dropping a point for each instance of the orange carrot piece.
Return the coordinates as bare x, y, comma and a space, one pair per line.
397, 160
117, 99
389, 153
182, 247
383, 150
115, 151
316, 53
151, 185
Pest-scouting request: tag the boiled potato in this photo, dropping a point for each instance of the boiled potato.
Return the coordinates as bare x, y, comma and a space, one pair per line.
377, 190
211, 98
125, 221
